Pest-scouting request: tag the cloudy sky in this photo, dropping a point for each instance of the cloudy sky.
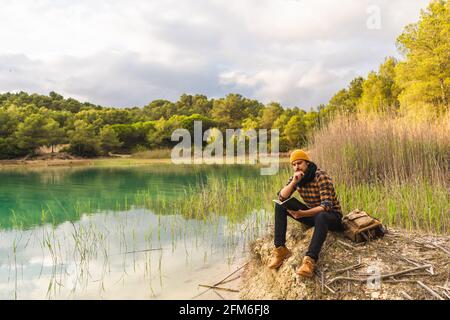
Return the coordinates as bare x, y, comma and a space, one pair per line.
128, 53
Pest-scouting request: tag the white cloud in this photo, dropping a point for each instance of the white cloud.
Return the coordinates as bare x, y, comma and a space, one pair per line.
121, 53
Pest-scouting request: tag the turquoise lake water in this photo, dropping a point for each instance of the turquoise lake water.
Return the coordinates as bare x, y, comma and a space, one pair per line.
93, 233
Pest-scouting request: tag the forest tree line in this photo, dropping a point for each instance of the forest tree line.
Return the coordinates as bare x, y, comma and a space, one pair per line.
418, 83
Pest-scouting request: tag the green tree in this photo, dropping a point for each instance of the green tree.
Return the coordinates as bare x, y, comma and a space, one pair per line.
281, 122
424, 76
345, 101
158, 109
295, 132
128, 135
311, 121
115, 116
269, 114
233, 109
229, 110
250, 123
161, 136
9, 120
355, 90
133, 135
189, 104
56, 134
83, 140
109, 140
380, 92
36, 131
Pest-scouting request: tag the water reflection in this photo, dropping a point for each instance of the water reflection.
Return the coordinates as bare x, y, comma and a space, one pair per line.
83, 233
134, 254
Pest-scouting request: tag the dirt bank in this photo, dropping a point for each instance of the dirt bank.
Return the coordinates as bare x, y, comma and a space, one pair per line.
341, 259
70, 161
51, 159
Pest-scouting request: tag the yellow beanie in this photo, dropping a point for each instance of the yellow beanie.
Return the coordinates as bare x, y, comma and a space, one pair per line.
298, 155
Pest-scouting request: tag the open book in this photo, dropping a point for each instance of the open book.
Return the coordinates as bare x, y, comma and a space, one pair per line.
292, 204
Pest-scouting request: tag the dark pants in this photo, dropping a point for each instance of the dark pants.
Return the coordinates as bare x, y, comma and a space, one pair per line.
322, 222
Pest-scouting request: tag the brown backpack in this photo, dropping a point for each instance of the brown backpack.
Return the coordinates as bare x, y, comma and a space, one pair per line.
359, 226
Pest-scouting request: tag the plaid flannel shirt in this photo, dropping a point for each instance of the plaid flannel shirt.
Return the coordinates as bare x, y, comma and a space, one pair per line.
318, 192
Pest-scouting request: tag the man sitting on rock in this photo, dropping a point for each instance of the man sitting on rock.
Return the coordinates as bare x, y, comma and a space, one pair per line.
323, 212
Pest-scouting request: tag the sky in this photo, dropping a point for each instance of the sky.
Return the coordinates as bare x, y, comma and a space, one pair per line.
128, 53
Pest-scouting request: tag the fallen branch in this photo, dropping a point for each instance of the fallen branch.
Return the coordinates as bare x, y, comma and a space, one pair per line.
406, 295
415, 263
137, 251
221, 281
358, 265
229, 280
445, 288
218, 288
384, 276
430, 290
321, 279
220, 296
346, 244
399, 281
430, 270
424, 244
442, 248
331, 290
348, 283
144, 250
410, 275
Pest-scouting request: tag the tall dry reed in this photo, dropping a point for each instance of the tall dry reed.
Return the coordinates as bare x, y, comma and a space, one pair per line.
395, 168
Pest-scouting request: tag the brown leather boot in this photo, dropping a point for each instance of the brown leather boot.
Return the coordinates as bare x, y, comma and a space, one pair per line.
307, 268
279, 255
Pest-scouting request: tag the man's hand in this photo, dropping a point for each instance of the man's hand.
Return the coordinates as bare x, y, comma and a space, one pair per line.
287, 191
296, 214
298, 176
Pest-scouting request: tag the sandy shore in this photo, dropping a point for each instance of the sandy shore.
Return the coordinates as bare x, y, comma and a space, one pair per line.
119, 161
79, 162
